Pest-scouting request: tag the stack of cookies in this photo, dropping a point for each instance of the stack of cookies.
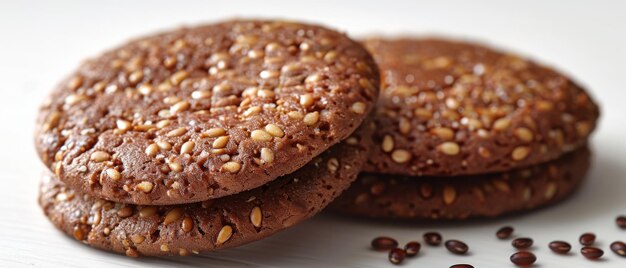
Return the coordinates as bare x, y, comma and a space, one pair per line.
464, 131
211, 137
205, 138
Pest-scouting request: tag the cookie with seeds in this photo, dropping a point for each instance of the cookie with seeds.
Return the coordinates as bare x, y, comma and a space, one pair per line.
454, 108
209, 225
490, 195
200, 113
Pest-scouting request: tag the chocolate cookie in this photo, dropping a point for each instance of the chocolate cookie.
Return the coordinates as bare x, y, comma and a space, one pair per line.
452, 108
210, 225
387, 196
199, 113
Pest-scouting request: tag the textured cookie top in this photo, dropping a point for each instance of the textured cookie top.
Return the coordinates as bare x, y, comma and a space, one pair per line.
210, 225
490, 195
452, 108
199, 113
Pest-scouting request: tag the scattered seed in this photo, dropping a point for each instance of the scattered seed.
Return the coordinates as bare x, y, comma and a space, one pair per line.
619, 248
267, 155
591, 253
412, 248
522, 243
523, 258
432, 238
396, 255
504, 232
383, 243
560, 247
456, 247
587, 239
621, 221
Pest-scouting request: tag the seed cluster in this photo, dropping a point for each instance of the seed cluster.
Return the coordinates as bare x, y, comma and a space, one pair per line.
412, 248
226, 104
453, 108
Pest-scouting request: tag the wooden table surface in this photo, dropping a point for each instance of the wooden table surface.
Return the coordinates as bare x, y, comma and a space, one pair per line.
41, 41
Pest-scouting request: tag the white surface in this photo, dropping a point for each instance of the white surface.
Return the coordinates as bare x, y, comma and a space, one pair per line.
41, 41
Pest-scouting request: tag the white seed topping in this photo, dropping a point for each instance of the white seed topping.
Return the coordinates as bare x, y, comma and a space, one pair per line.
256, 217
123, 124
220, 142
358, 107
113, 174
260, 135
177, 132
232, 167
520, 153
401, 156
274, 130
225, 233
311, 118
152, 149
187, 147
267, 155
179, 107
388, 143
449, 148
306, 100
100, 156
214, 132
145, 186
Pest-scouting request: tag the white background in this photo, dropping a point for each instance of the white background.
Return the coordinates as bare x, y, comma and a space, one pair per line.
41, 41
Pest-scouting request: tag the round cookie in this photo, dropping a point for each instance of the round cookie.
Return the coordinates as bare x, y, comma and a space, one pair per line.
451, 108
387, 196
199, 113
206, 226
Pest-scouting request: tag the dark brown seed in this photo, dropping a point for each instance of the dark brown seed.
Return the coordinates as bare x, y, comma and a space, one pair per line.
587, 239
560, 247
461, 266
522, 243
619, 248
591, 253
396, 255
621, 221
384, 243
504, 232
456, 247
432, 238
412, 248
523, 258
